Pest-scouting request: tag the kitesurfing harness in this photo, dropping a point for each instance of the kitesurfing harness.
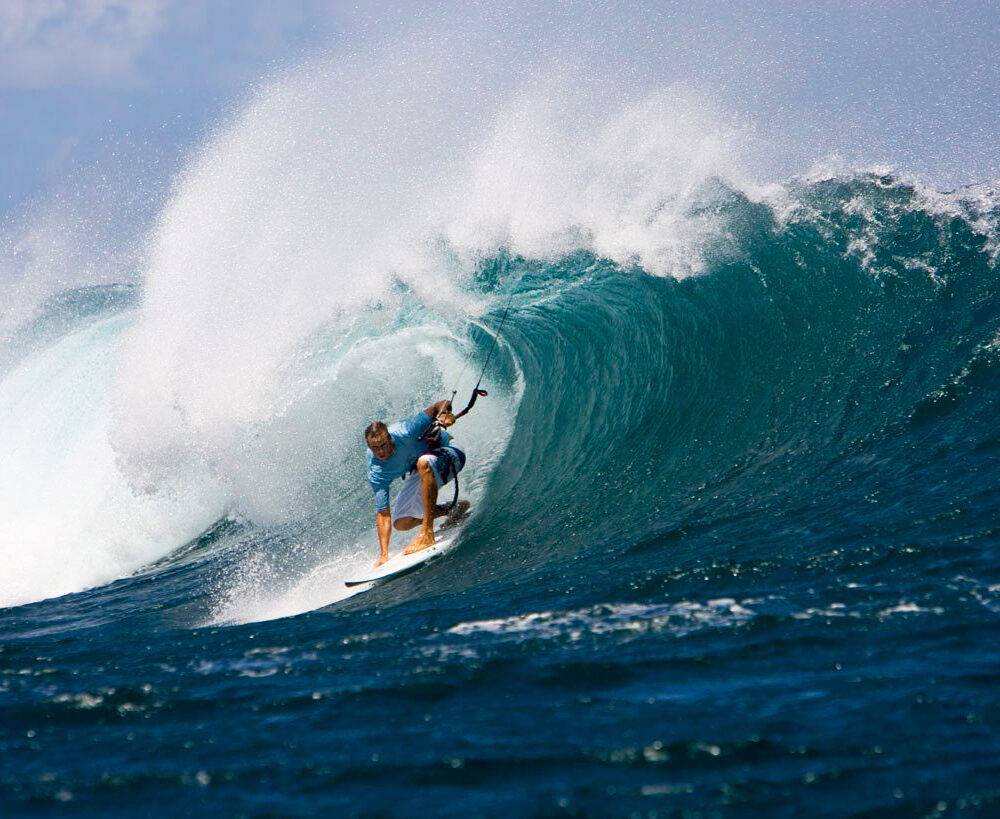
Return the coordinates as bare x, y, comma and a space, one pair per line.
433, 434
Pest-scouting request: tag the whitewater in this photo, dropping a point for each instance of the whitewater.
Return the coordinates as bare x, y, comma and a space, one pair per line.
734, 540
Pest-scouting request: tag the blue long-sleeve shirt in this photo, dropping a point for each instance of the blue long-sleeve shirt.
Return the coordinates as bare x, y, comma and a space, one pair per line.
409, 446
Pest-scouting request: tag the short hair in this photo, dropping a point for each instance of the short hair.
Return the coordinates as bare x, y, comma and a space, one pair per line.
376, 429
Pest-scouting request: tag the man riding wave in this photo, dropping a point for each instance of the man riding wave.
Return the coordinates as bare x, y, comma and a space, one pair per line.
419, 450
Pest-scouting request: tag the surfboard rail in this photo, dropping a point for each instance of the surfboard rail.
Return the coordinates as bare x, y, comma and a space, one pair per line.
403, 564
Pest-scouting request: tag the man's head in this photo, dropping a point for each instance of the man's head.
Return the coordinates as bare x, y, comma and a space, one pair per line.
379, 440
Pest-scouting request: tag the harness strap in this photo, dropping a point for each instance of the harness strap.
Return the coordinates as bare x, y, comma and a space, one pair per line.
443, 453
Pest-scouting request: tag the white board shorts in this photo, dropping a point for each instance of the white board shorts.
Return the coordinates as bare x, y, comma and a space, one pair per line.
410, 500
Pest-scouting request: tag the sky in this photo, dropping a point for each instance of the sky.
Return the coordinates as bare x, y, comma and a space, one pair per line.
122, 90
110, 83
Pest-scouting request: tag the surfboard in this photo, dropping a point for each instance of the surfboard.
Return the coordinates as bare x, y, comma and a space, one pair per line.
404, 564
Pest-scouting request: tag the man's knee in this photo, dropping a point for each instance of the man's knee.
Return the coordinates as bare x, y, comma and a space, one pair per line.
424, 465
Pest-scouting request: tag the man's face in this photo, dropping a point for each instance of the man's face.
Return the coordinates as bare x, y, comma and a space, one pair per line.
381, 446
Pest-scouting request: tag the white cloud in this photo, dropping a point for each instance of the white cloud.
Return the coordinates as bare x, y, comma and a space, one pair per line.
46, 43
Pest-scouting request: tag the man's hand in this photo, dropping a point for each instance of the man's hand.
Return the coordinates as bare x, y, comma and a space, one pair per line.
445, 415
435, 411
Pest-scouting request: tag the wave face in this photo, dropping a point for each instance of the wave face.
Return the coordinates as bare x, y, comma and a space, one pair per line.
734, 536
807, 377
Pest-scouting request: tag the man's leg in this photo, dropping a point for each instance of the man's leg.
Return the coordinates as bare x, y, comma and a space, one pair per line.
405, 524
429, 489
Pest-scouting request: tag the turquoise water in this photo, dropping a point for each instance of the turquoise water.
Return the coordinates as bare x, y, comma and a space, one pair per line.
734, 547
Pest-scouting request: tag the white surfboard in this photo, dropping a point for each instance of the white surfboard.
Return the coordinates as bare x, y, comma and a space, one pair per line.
404, 564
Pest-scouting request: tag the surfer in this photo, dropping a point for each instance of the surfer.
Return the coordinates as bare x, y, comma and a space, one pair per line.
420, 451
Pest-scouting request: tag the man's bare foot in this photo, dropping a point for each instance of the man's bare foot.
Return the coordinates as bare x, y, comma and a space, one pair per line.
420, 542
457, 515
381, 560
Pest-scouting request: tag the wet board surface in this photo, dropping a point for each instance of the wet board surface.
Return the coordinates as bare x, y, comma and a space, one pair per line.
404, 564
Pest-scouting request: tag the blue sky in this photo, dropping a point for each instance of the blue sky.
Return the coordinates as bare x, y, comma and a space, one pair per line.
108, 84
119, 89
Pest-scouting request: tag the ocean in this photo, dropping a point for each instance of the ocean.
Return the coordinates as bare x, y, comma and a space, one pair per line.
734, 541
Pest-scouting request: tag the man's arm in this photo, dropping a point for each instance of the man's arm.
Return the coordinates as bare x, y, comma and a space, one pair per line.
441, 412
383, 523
383, 515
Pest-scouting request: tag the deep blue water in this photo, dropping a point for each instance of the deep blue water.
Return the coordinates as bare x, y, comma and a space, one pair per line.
740, 556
